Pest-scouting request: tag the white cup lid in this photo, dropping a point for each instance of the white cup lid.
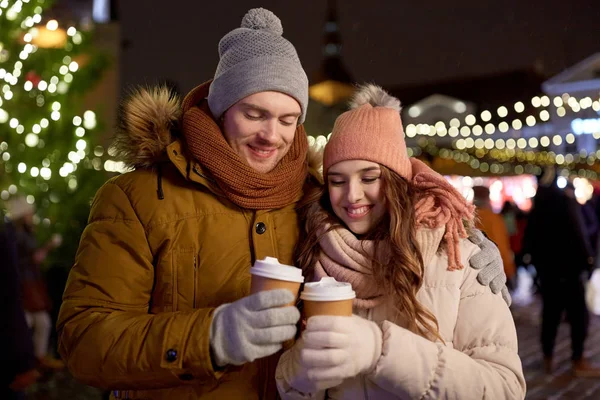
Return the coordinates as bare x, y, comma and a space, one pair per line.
270, 267
327, 289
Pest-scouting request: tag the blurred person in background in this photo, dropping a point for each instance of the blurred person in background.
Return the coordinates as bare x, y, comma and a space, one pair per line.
594, 203
495, 228
590, 222
557, 245
509, 214
19, 362
30, 257
516, 221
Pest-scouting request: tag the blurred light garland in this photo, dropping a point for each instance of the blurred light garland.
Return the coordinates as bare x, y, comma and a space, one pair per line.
512, 162
471, 126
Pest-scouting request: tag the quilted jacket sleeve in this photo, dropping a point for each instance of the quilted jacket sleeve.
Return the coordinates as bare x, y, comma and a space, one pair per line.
285, 373
106, 334
484, 363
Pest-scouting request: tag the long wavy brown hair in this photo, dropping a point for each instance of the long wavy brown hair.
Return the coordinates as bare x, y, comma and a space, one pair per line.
397, 263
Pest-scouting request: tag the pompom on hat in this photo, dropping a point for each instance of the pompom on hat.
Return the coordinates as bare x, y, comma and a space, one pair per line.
256, 58
372, 130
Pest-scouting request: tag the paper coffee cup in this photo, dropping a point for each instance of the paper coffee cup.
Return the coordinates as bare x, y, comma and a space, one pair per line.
269, 274
327, 297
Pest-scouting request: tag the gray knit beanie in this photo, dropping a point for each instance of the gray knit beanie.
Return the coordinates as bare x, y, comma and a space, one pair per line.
256, 58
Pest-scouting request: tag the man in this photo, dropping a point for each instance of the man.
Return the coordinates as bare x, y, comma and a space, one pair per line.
558, 248
157, 303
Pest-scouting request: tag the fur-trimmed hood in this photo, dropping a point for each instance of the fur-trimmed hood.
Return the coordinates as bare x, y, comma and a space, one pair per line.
148, 122
146, 125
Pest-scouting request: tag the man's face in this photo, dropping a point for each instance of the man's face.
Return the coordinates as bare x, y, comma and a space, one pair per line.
260, 128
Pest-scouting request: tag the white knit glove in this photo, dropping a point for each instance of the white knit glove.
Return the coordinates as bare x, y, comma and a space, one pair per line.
252, 327
337, 348
291, 373
489, 263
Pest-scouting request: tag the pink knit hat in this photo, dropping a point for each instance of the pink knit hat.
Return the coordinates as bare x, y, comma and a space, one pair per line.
372, 133
372, 130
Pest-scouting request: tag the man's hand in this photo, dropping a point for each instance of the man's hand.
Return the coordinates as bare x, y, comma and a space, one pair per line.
489, 263
252, 327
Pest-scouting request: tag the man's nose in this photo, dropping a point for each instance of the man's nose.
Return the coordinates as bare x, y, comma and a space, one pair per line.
268, 131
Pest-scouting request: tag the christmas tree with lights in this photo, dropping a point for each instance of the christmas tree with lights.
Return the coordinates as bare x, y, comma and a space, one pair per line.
50, 152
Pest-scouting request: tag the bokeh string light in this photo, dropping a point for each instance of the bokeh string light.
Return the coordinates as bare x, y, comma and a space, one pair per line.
471, 126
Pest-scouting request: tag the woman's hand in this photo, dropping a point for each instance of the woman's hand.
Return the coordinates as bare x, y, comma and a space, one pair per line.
336, 348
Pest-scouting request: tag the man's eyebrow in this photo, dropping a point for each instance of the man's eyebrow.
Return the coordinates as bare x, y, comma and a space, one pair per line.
253, 107
292, 114
265, 111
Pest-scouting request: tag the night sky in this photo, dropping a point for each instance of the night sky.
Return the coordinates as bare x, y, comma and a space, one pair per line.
387, 42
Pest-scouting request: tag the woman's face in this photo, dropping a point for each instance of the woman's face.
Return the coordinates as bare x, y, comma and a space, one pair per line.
356, 194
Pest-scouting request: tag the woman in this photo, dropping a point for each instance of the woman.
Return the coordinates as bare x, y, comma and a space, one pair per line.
423, 327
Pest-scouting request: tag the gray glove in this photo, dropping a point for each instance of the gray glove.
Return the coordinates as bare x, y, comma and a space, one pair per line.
252, 327
489, 263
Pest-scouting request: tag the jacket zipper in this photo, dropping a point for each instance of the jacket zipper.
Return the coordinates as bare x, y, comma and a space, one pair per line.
366, 391
195, 281
209, 180
365, 387
202, 175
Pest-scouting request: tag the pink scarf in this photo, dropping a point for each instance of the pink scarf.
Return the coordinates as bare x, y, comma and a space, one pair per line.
440, 204
348, 259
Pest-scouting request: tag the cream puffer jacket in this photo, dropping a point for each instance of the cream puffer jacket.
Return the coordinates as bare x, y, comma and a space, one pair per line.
479, 359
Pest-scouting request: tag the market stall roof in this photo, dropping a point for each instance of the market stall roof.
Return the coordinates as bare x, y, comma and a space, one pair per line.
583, 76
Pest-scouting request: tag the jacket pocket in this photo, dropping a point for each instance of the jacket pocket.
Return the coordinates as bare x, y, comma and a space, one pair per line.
175, 281
185, 265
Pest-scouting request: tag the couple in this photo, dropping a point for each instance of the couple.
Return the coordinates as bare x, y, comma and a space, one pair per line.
157, 305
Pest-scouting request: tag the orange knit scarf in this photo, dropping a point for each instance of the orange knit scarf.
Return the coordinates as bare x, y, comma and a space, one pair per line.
243, 185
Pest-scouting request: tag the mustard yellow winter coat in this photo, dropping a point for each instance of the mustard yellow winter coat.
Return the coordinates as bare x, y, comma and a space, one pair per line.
163, 249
